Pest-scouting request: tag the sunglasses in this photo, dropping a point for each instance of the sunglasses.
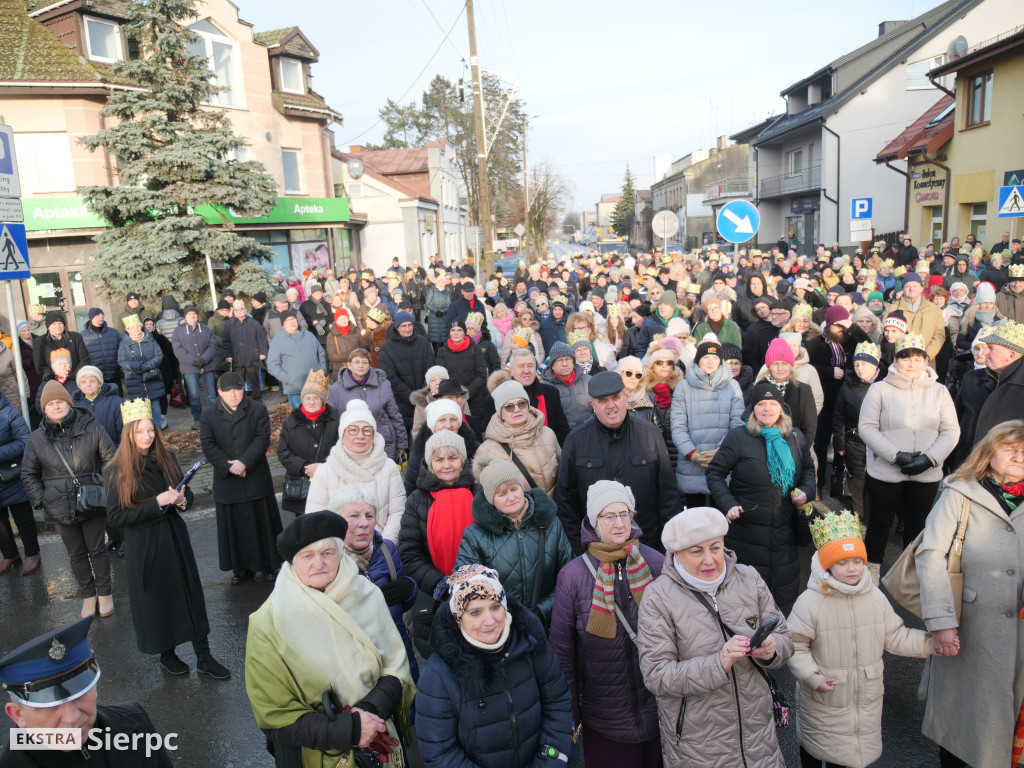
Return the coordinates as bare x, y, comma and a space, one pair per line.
632, 374
663, 362
518, 405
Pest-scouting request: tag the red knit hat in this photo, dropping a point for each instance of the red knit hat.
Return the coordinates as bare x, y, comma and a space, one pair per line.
779, 350
935, 280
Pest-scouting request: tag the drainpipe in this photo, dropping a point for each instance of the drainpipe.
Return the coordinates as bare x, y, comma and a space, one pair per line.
839, 165
940, 86
906, 201
945, 202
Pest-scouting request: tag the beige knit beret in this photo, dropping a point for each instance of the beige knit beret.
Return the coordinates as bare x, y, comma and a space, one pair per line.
693, 526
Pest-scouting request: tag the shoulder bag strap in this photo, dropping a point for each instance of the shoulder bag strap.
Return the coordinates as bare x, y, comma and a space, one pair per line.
67, 466
618, 611
519, 465
386, 551
727, 633
957, 549
543, 529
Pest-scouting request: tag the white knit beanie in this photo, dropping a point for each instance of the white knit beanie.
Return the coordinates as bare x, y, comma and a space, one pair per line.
439, 408
444, 439
356, 410
436, 370
507, 392
605, 492
89, 370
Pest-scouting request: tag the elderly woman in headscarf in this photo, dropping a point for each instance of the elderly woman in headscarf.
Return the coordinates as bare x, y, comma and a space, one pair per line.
639, 402
492, 695
696, 622
593, 626
326, 671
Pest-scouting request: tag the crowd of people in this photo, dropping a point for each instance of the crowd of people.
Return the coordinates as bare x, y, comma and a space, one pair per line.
563, 516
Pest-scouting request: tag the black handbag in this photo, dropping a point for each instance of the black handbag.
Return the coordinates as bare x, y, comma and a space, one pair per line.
297, 488
90, 499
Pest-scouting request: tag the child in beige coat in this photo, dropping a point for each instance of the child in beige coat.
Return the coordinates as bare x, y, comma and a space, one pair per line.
841, 625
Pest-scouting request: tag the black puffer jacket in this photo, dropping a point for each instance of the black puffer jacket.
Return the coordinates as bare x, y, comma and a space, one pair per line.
69, 340
765, 535
468, 367
14, 436
244, 342
847, 411
103, 343
87, 449
492, 710
1006, 401
303, 442
406, 362
419, 447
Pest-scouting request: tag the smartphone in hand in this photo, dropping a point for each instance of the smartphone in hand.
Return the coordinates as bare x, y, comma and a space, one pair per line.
762, 632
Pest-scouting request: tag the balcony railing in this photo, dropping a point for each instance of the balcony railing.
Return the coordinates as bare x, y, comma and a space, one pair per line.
791, 183
727, 188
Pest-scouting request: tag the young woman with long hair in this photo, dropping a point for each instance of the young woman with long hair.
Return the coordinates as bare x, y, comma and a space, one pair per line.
164, 589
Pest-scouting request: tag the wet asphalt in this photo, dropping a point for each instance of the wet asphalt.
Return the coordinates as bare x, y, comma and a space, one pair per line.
213, 718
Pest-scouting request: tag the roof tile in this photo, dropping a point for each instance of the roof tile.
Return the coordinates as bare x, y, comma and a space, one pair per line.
921, 134
31, 53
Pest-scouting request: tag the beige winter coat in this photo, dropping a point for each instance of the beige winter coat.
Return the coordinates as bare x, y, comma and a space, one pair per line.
377, 473
972, 699
927, 321
901, 414
701, 706
534, 445
841, 634
805, 373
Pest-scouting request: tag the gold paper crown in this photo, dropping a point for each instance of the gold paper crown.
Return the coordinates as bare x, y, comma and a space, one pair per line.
899, 271
615, 309
756, 252
846, 269
1006, 334
922, 266
561, 301
377, 315
868, 272
39, 309
1016, 271
575, 337
317, 384
693, 288
873, 351
910, 341
131, 320
834, 526
522, 335
889, 263
475, 318
803, 309
133, 410
239, 304
726, 307
870, 284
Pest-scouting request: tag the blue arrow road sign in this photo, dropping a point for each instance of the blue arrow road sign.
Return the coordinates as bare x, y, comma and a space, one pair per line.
13, 252
1011, 202
738, 221
860, 208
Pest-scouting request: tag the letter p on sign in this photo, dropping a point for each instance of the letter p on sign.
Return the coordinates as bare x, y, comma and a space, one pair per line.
860, 208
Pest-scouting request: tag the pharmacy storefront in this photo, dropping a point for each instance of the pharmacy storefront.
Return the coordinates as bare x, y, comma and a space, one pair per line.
302, 232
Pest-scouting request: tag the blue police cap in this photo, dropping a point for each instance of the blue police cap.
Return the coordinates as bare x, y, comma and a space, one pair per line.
51, 669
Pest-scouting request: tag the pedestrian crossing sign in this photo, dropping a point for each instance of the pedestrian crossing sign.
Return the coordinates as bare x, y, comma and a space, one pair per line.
13, 252
1011, 202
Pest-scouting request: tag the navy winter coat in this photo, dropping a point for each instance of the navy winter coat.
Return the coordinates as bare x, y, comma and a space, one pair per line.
244, 342
191, 343
377, 572
14, 434
608, 669
406, 362
140, 362
103, 344
552, 330
492, 710
106, 409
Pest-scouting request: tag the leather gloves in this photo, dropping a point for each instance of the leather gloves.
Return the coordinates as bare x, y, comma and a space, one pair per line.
919, 464
398, 591
903, 458
703, 458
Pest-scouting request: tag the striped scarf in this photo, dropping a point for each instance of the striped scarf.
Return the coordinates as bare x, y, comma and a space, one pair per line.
638, 575
838, 353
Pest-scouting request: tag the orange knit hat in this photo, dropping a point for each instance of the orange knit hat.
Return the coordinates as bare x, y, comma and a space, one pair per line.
837, 536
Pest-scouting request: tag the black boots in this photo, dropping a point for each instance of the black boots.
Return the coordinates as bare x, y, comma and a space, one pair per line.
207, 665
172, 664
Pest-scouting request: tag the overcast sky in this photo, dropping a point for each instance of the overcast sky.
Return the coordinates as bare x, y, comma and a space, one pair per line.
605, 82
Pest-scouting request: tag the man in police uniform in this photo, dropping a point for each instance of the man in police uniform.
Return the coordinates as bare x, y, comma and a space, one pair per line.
51, 681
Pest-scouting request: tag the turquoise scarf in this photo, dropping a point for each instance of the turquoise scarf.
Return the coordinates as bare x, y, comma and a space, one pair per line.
780, 458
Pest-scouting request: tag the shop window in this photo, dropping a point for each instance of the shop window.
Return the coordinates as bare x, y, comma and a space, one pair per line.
979, 99
292, 80
44, 161
292, 177
103, 40
219, 50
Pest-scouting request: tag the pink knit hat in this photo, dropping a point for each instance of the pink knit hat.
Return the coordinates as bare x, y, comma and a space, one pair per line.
779, 350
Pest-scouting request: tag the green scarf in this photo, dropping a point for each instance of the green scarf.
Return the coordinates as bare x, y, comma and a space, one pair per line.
780, 458
638, 575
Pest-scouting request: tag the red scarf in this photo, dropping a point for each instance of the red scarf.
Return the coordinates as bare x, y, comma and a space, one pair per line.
344, 328
570, 380
314, 415
1017, 489
543, 408
449, 515
462, 346
663, 395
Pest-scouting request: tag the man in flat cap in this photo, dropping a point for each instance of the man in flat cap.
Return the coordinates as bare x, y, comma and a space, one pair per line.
613, 445
52, 683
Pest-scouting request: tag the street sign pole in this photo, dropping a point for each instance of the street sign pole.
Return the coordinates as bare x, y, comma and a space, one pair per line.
16, 349
10, 197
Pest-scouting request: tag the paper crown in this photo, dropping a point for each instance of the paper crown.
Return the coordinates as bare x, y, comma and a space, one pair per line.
561, 300
475, 319
133, 410
575, 337
837, 536
889, 263
131, 320
869, 284
59, 353
377, 314
899, 271
39, 309
615, 310
868, 272
1007, 334
803, 309
726, 307
239, 305
366, 276
910, 341
756, 252
846, 269
868, 351
317, 384
1016, 271
521, 336
693, 288
922, 266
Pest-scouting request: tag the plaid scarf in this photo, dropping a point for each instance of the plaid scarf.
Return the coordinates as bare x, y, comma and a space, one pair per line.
602, 606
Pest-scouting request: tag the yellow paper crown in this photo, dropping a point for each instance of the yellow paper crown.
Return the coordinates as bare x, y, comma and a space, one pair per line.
39, 309
910, 341
899, 271
868, 349
803, 309
131, 320
133, 410
575, 337
834, 526
1016, 271
377, 314
889, 263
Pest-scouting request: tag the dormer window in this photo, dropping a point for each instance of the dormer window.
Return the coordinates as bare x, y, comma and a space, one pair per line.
219, 50
103, 40
292, 78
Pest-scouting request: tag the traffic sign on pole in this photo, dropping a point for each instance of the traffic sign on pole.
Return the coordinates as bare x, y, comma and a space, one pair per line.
860, 208
1011, 202
13, 252
738, 221
10, 182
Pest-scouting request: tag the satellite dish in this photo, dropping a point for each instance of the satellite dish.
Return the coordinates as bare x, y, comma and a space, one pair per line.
355, 168
957, 47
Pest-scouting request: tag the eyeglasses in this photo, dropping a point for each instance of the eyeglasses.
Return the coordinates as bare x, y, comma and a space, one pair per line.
364, 431
613, 516
518, 405
632, 374
663, 362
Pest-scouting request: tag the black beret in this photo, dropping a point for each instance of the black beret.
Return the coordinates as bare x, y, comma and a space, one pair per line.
468, 286
308, 529
604, 384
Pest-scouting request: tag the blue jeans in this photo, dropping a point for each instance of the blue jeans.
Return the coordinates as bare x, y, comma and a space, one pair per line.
156, 412
294, 401
192, 388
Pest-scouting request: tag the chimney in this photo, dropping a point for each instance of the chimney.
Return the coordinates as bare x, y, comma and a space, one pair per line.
723, 142
356, 149
886, 27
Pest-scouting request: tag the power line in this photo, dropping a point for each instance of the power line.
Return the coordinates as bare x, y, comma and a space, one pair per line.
413, 84
457, 51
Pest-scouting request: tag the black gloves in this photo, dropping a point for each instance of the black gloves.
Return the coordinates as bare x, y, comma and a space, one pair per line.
199, 363
919, 464
903, 458
439, 313
398, 591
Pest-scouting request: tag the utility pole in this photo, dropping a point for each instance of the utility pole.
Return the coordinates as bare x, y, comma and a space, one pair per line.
483, 190
526, 202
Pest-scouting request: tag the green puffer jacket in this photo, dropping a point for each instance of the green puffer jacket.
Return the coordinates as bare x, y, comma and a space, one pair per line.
494, 541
